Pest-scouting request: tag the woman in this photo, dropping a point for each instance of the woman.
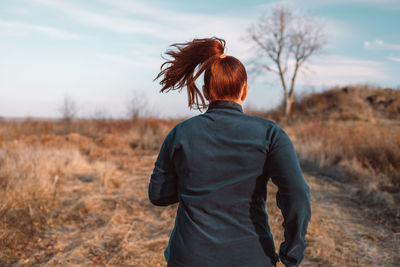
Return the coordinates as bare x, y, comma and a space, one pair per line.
216, 165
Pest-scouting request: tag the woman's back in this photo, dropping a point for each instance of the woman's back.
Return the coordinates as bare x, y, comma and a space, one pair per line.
220, 161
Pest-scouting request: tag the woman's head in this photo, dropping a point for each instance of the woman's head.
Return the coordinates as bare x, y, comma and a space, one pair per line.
224, 76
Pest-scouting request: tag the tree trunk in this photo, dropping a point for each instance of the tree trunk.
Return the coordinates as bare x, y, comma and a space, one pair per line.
288, 105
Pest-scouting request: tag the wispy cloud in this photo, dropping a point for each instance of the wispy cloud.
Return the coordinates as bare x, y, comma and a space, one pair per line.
139, 62
392, 4
381, 45
183, 26
18, 10
333, 70
155, 22
161, 14
387, 4
117, 59
148, 20
330, 70
397, 59
109, 22
23, 29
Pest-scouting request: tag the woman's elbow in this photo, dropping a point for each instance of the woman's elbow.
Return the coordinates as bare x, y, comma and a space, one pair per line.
163, 201
304, 200
298, 196
160, 200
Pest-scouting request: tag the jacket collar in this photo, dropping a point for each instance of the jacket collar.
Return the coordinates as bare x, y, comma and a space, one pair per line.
217, 104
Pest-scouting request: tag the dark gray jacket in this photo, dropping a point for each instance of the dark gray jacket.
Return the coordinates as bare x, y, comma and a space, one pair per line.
216, 166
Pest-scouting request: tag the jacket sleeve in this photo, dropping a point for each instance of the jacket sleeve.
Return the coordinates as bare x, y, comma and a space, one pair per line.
293, 196
163, 184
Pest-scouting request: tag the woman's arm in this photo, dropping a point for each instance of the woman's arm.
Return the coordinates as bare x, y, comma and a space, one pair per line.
293, 196
163, 186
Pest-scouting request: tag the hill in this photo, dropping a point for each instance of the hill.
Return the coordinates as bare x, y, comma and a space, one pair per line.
365, 103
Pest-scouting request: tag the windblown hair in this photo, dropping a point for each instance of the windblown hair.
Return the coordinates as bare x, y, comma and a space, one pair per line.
223, 76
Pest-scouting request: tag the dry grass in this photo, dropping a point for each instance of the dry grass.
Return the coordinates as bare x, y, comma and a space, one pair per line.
31, 179
71, 198
359, 153
362, 147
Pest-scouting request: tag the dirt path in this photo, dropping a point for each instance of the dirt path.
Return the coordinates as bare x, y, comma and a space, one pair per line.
340, 234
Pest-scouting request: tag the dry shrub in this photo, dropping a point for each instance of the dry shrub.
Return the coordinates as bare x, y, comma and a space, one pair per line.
358, 152
30, 180
361, 146
145, 134
149, 134
40, 188
31, 126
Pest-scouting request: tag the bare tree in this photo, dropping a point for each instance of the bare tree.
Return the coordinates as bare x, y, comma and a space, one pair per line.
283, 42
136, 105
100, 114
68, 109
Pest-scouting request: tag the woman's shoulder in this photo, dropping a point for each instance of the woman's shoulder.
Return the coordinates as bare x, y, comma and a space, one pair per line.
192, 121
260, 119
273, 131
184, 125
265, 122
249, 122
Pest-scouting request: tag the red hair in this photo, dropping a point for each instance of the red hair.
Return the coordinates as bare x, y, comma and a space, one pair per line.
224, 77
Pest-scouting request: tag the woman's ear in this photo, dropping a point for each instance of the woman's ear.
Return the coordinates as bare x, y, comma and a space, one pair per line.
244, 92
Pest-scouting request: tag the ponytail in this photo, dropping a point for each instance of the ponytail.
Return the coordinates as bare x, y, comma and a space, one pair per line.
221, 73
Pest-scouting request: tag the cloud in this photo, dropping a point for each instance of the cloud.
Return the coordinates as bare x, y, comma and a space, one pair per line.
18, 10
23, 29
397, 59
117, 59
146, 21
331, 70
387, 4
380, 45
161, 14
334, 70
155, 22
391, 4
109, 22
139, 61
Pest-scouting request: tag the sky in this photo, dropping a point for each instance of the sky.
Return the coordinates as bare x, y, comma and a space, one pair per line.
100, 54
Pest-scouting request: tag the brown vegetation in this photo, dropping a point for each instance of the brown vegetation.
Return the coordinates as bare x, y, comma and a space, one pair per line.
78, 195
362, 154
61, 192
